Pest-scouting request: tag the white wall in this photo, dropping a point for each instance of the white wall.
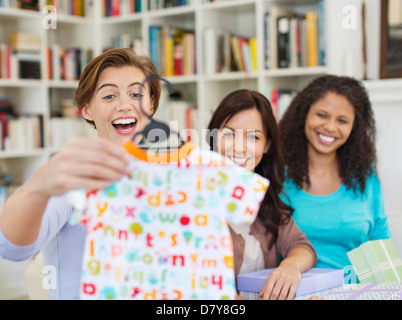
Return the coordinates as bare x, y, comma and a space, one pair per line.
386, 97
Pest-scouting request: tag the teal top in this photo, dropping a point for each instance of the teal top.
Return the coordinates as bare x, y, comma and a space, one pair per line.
339, 222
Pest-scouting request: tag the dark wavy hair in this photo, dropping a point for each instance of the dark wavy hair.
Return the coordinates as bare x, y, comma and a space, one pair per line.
356, 158
273, 211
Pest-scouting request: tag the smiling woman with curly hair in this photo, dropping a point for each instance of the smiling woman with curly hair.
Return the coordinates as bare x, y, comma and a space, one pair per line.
328, 140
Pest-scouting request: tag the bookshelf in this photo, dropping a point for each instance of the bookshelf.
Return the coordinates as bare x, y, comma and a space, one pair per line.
102, 28
105, 26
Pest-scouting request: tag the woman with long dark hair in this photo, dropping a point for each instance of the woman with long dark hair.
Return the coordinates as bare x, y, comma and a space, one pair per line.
328, 141
243, 128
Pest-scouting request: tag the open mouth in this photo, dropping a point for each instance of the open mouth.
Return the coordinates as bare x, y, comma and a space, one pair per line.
125, 126
326, 139
239, 160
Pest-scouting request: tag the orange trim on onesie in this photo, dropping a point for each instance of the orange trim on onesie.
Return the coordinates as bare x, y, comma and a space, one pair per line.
160, 158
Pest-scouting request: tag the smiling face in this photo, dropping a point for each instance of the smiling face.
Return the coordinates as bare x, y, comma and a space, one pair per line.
242, 139
115, 104
329, 123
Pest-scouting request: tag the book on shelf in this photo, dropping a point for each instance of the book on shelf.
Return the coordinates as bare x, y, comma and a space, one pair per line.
312, 41
29, 4
271, 34
225, 52
78, 8
6, 113
21, 57
29, 66
172, 50
5, 61
19, 64
283, 26
294, 40
280, 100
116, 8
20, 4
126, 40
163, 4
24, 41
24, 133
66, 63
321, 33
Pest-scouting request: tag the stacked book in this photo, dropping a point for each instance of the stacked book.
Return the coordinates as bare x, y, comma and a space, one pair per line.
24, 61
226, 52
172, 50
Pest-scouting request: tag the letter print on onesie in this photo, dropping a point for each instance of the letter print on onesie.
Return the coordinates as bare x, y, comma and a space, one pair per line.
161, 232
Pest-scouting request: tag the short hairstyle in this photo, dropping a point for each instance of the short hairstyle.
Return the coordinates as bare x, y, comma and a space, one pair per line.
116, 58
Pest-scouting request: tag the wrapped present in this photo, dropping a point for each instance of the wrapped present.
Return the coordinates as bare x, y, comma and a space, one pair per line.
361, 291
376, 261
396, 295
316, 279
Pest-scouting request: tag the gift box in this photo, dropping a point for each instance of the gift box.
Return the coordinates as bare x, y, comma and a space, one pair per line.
376, 261
316, 279
361, 291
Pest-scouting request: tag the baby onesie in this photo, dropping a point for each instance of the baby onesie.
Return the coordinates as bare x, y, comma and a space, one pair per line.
161, 232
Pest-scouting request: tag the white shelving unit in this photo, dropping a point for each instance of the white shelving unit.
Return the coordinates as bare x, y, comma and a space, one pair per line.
203, 90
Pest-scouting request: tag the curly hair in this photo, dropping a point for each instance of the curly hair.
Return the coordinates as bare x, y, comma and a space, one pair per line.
273, 211
356, 158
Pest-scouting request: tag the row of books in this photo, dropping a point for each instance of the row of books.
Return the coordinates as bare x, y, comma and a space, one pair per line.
280, 100
19, 64
294, 40
20, 4
6, 113
66, 63
225, 52
126, 40
21, 133
113, 8
172, 50
62, 63
79, 8
162, 4
20, 57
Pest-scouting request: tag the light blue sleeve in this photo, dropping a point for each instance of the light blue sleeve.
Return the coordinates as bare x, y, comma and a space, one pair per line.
54, 218
381, 229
